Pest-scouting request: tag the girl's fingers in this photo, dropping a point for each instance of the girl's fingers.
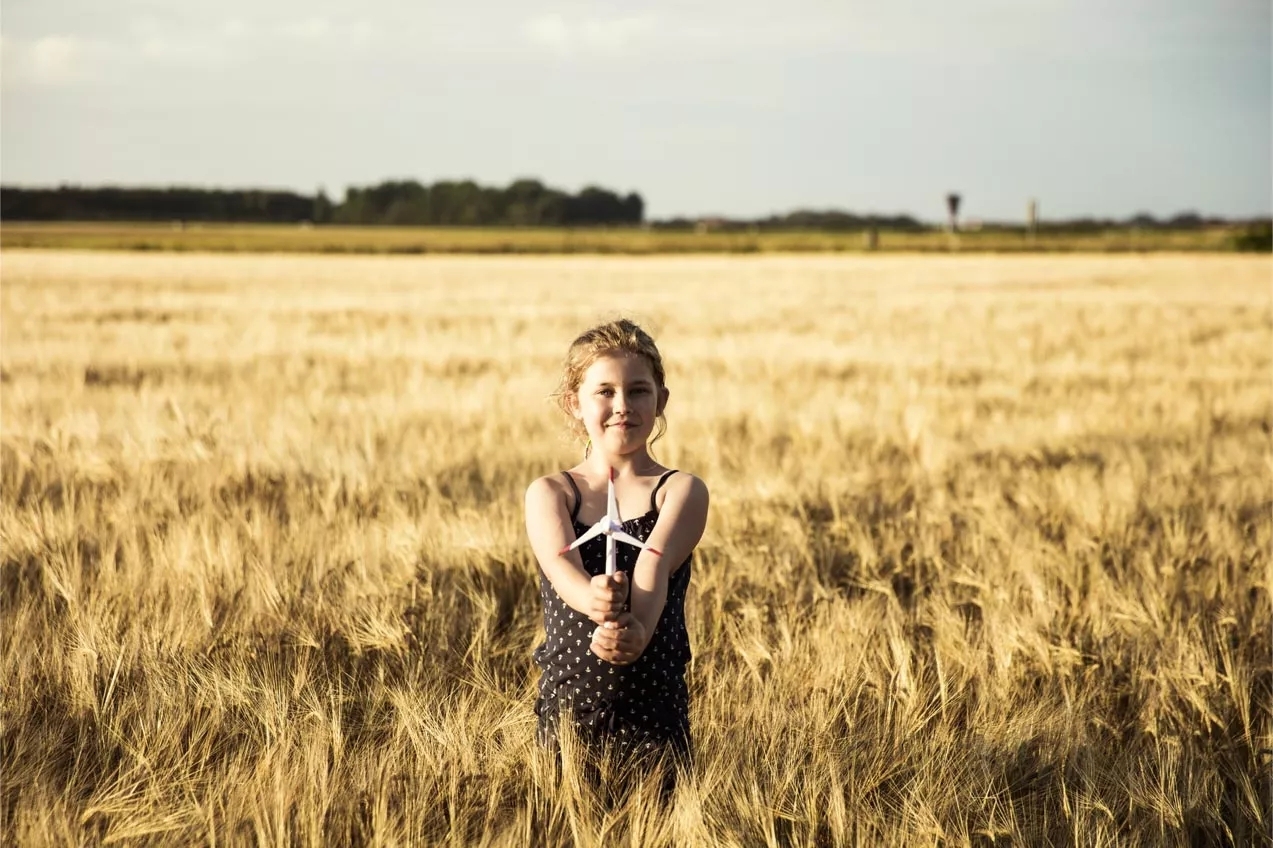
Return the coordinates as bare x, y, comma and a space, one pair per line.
614, 657
607, 625
604, 612
610, 643
611, 654
615, 643
616, 654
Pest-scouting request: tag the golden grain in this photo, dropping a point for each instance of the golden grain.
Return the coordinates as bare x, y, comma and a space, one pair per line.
989, 561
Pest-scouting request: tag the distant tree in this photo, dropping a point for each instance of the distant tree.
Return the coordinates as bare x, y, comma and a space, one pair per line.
1186, 221
595, 205
633, 209
322, 207
1257, 237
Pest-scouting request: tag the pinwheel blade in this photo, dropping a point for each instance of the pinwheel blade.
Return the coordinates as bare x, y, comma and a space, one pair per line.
592, 532
619, 535
612, 503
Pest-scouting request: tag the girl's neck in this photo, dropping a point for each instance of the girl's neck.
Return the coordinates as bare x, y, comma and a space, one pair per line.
637, 463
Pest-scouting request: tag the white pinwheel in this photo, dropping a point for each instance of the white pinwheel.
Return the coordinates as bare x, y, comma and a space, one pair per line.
611, 526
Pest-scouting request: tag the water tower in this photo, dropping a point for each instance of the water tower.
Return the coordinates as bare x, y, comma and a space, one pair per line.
952, 208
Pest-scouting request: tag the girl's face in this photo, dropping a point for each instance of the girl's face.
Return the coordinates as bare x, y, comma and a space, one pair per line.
618, 402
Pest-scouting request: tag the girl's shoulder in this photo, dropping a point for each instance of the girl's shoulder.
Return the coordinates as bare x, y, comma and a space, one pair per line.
550, 488
684, 487
681, 477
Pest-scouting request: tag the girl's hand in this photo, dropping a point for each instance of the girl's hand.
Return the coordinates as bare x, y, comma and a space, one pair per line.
620, 642
609, 596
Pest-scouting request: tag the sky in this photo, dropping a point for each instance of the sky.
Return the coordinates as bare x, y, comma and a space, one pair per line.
1093, 107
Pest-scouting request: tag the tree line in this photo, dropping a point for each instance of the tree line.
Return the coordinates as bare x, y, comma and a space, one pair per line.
72, 203
523, 203
404, 203
801, 220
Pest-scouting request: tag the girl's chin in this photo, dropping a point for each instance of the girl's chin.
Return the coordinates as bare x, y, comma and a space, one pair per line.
625, 439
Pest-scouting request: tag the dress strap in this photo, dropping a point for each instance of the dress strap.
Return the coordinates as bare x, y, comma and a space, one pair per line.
659, 485
574, 513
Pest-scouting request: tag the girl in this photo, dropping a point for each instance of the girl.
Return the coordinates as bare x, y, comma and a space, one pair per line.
613, 661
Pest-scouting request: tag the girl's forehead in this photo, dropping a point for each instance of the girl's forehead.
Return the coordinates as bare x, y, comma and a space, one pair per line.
616, 367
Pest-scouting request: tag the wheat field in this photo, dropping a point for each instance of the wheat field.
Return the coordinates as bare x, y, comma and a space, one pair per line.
988, 562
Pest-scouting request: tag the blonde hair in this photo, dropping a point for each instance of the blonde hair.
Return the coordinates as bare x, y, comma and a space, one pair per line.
619, 337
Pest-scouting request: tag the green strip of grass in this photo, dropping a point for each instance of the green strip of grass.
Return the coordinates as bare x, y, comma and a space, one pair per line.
421, 240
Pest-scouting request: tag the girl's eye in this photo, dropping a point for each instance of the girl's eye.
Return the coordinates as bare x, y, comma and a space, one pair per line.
610, 392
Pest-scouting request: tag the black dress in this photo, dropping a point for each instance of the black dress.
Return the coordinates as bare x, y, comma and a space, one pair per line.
630, 709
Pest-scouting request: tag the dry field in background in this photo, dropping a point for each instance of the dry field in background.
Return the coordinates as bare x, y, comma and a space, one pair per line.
988, 563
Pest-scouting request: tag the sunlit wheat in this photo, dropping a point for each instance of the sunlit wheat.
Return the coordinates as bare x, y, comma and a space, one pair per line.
988, 563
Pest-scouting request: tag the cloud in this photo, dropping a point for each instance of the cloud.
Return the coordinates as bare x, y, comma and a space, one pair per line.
590, 35
234, 29
309, 29
54, 60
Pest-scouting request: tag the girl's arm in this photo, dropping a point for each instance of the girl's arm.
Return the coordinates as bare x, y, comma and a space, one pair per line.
549, 527
682, 519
